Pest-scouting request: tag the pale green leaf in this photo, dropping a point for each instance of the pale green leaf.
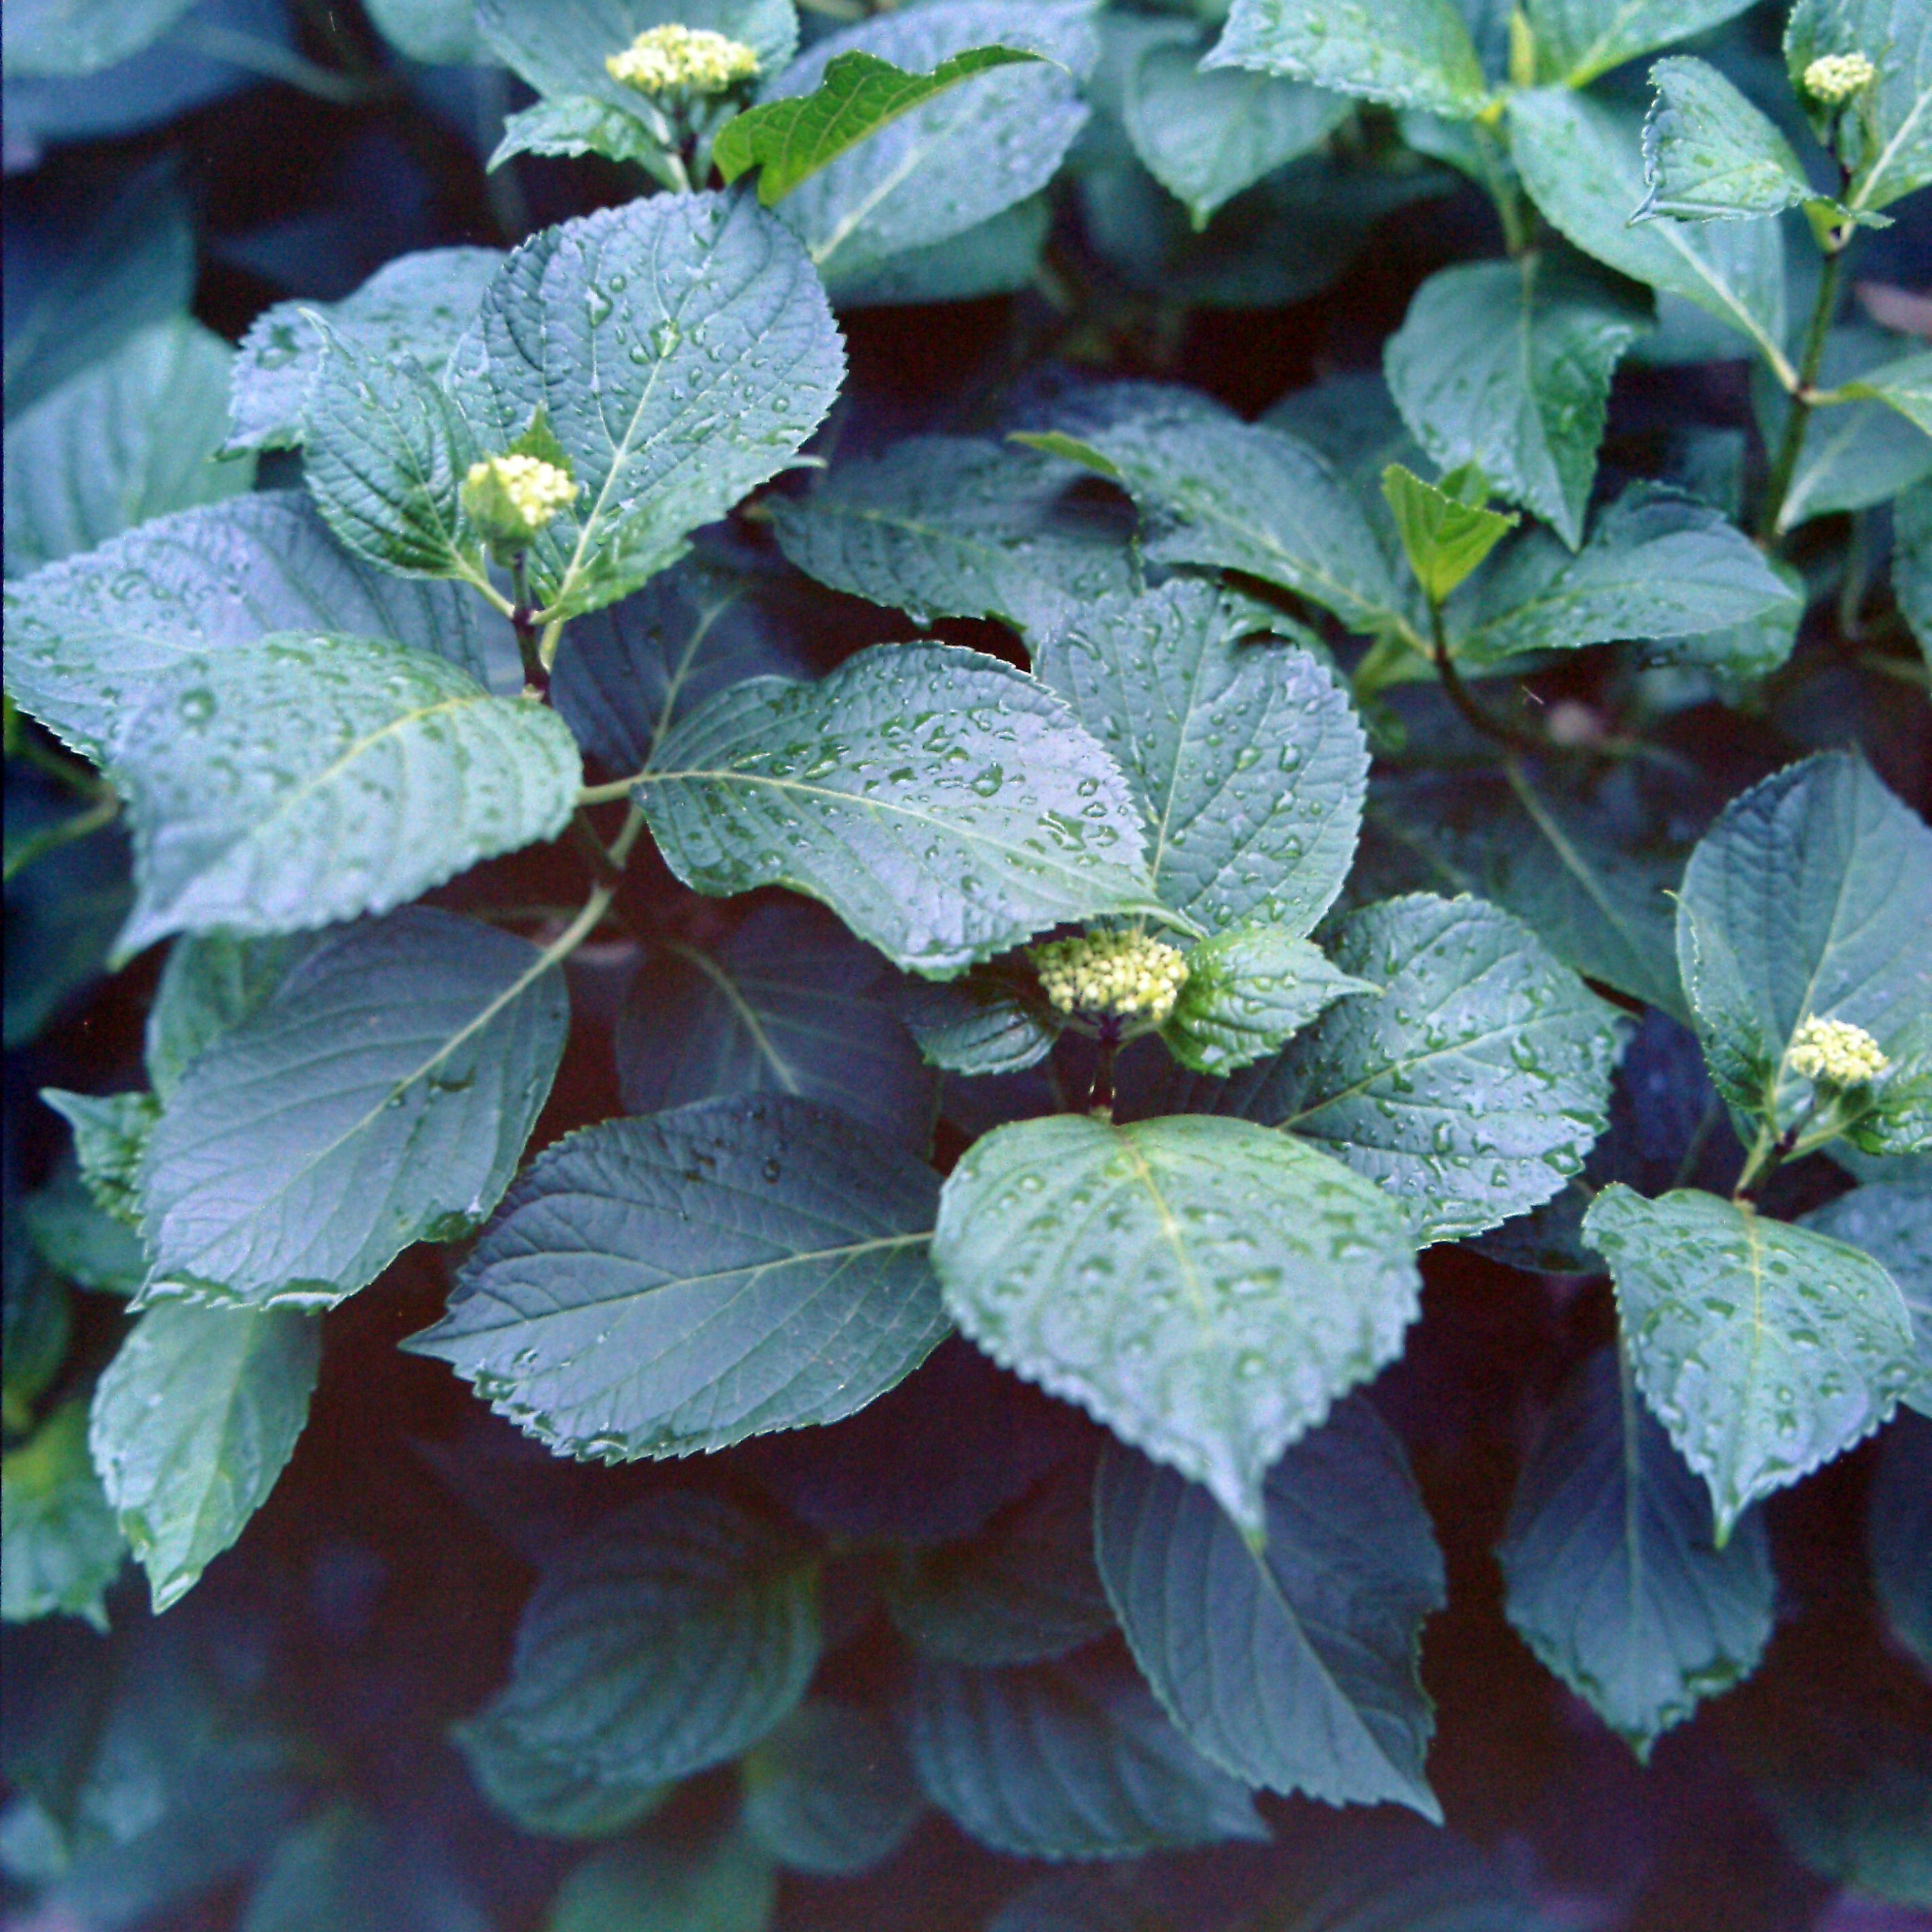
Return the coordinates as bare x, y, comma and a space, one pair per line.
1906, 385
656, 1287
211, 982
304, 779
1891, 1221
1764, 1349
63, 1547
193, 1421
70, 38
380, 1095
1887, 141
830, 1792
1577, 40
998, 256
1854, 454
945, 806
1444, 538
1709, 155
1250, 989
1409, 53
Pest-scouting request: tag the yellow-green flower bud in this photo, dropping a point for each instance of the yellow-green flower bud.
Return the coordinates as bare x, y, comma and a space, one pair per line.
1112, 976
668, 59
1837, 1052
510, 498
1832, 78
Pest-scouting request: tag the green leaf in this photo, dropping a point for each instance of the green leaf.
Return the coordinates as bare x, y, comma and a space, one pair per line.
1709, 155
111, 1132
988, 1021
1247, 758
1250, 989
552, 1797
63, 1548
36, 1311
944, 805
1409, 53
308, 778
89, 638
945, 526
830, 1792
1206, 135
1021, 1590
1891, 1221
998, 256
1898, 1522
1810, 897
1241, 496
1581, 161
1507, 365
1444, 538
1205, 1288
417, 305
656, 1287
69, 38
1657, 564
194, 1420
789, 1003
211, 982
1911, 563
130, 438
381, 1095
1470, 1091
1066, 1760
1577, 40
1887, 140
1906, 384
580, 124
1269, 1670
726, 1885
791, 139
1766, 1350
670, 1637
82, 1243
1609, 1572
439, 33
991, 139
682, 349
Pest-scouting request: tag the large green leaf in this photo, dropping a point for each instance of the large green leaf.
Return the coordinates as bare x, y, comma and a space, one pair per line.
63, 1547
656, 1287
88, 637
1410, 53
1891, 1221
1657, 564
1071, 1760
1581, 161
1507, 365
1205, 1287
306, 779
945, 806
195, 1419
1765, 1349
69, 38
1249, 991
680, 347
1294, 1666
211, 982
1709, 155
1206, 135
1247, 758
1888, 140
669, 1637
130, 438
1470, 1091
1609, 1571
1810, 897
381, 1095
830, 1792
1577, 40
947, 526
417, 305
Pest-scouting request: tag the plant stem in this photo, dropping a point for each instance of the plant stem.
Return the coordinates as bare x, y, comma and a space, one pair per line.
1471, 713
522, 621
1784, 464
38, 844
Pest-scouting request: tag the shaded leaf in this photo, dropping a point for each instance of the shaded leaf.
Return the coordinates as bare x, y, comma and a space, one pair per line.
1898, 1524
63, 1547
1891, 1221
111, 1132
726, 1885
830, 1791
1415, 53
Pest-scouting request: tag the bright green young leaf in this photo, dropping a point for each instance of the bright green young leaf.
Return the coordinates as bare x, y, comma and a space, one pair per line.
725, 1885
193, 1421
211, 982
1577, 40
111, 1132
670, 1637
1444, 538
1906, 385
790, 139
417, 305
830, 1792
308, 778
381, 1095
1657, 564
1250, 989
1246, 757
1891, 1221
1507, 365
1898, 1524
1609, 1568
131, 438
1583, 162
681, 349
1207, 1289
1709, 155
1206, 135
1888, 140
1764, 1349
1069, 1760
1269, 1669
88, 637
1810, 898
945, 526
945, 806
989, 1020
63, 1547
656, 1287
1409, 53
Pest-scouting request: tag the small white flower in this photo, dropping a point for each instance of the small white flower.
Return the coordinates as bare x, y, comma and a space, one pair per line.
1835, 77
1111, 975
668, 58
516, 490
1837, 1052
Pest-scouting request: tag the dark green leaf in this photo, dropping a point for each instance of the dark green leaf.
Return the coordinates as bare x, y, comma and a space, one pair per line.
1891, 1221
1000, 255
1249, 990
554, 1797
830, 1791
988, 1021
1413, 53
81, 1242
1577, 40
1898, 1530
726, 1885
580, 124
63, 1547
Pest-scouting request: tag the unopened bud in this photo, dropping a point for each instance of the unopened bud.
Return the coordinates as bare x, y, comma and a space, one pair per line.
670, 59
1832, 78
510, 498
1112, 976
1837, 1052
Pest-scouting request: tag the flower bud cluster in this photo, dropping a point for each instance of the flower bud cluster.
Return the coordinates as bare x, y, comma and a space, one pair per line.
1832, 78
668, 59
1111, 975
513, 496
1837, 1052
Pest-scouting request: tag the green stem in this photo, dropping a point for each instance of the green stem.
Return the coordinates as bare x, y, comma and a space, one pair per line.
1784, 464
1471, 713
101, 812
524, 622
